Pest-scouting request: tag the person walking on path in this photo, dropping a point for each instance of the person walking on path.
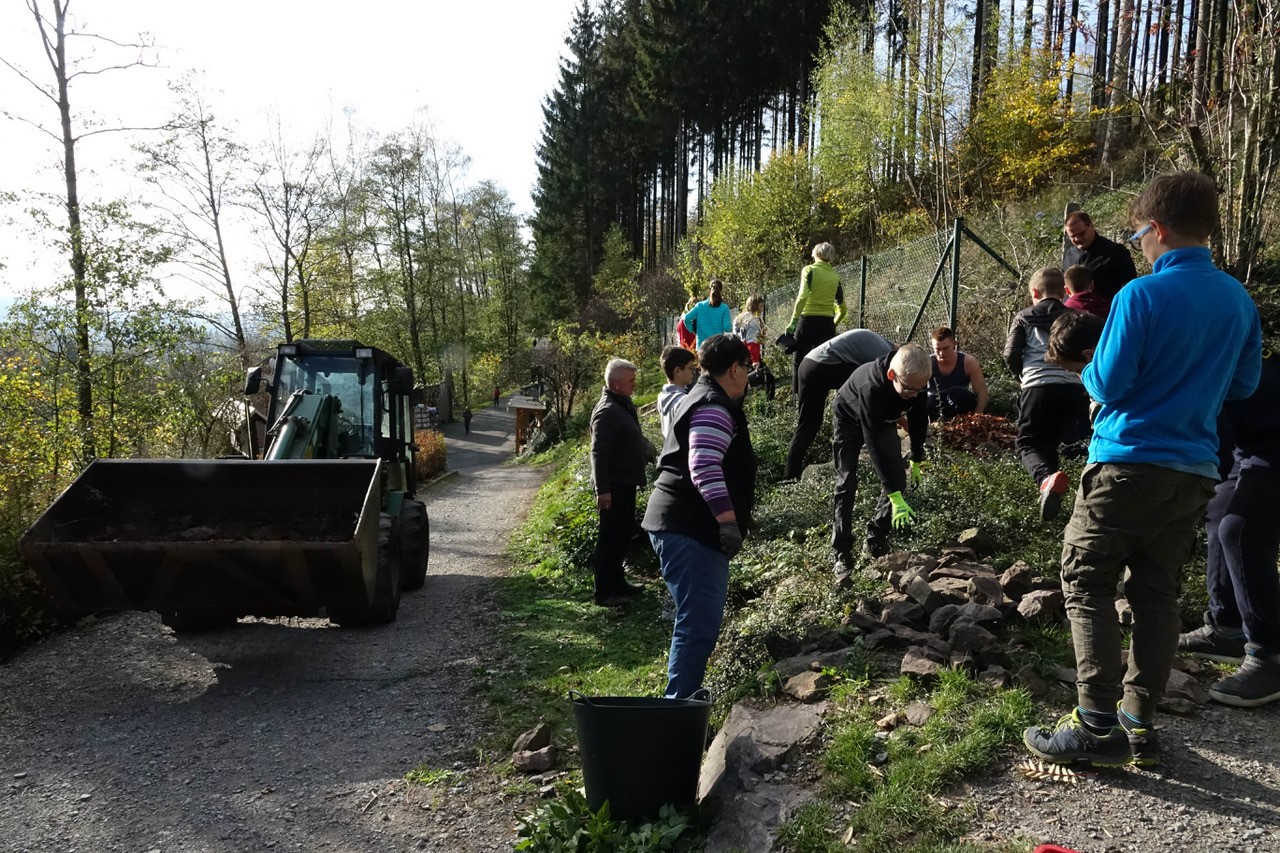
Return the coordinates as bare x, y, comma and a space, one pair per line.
466, 419
619, 452
711, 316
866, 413
1242, 624
497, 395
1052, 398
1111, 264
701, 505
1177, 344
819, 307
956, 385
824, 369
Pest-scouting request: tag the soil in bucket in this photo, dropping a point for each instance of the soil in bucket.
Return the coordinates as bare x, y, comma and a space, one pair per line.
640, 753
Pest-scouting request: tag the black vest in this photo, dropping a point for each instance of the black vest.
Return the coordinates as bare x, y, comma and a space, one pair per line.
676, 505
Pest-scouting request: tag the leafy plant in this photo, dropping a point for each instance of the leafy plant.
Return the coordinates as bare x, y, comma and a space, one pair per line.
424, 774
568, 825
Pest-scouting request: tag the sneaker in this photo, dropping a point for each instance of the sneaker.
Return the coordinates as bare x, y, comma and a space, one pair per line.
1211, 643
1144, 744
1052, 488
1070, 741
873, 546
1255, 683
844, 570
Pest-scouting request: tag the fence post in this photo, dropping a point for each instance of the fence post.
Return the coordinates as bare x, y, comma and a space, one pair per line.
955, 272
862, 296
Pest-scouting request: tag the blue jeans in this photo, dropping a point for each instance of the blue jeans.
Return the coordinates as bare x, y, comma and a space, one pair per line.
698, 578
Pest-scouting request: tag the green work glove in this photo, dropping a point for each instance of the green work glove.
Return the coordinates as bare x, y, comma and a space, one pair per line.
903, 515
791, 330
917, 473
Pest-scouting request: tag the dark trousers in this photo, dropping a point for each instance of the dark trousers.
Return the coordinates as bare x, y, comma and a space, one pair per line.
1244, 539
817, 381
617, 526
847, 443
951, 402
810, 332
1143, 519
1044, 413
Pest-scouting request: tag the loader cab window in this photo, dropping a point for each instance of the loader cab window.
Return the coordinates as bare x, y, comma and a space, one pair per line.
343, 378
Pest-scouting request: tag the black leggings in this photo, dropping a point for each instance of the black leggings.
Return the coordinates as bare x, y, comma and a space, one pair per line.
810, 332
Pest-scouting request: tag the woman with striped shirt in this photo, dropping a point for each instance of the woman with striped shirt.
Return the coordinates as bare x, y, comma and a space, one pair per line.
701, 505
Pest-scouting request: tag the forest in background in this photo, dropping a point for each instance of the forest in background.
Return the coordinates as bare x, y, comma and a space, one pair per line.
685, 139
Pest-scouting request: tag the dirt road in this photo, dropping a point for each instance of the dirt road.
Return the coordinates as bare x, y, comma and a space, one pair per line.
276, 734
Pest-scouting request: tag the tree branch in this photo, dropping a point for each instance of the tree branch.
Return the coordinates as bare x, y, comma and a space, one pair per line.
36, 125
16, 70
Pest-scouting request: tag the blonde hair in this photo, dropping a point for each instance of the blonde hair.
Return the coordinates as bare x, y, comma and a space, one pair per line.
824, 252
911, 362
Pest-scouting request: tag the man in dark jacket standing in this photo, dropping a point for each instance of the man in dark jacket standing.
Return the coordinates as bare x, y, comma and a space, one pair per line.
619, 452
1111, 264
866, 413
701, 505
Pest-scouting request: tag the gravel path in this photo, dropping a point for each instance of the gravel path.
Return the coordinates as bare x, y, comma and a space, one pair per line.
282, 734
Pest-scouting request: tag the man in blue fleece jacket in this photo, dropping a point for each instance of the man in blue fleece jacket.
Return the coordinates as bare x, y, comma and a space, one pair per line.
1176, 345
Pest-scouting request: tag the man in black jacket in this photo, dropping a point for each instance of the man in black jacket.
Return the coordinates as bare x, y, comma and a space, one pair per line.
1111, 264
867, 410
619, 452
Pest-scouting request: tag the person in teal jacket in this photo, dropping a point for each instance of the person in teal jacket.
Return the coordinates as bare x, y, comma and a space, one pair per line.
711, 316
819, 307
1176, 345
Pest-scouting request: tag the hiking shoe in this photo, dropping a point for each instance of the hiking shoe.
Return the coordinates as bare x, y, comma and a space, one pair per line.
1144, 745
612, 600
1052, 488
1211, 643
1070, 741
1255, 683
874, 546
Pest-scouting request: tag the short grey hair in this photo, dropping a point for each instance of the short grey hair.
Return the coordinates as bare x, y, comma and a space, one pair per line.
911, 362
824, 252
616, 366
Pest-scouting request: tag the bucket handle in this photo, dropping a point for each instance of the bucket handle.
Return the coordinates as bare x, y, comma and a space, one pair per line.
702, 694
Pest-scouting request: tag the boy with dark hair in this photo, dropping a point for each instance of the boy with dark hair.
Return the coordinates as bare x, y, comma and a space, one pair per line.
1073, 338
1052, 398
1177, 344
1080, 293
678, 365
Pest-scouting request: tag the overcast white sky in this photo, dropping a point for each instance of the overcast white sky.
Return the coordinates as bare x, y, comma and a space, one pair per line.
480, 68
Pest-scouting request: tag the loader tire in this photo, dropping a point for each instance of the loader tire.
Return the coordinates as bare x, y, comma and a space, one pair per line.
386, 592
190, 623
414, 532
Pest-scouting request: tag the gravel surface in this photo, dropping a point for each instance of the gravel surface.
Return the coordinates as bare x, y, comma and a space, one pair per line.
282, 734
1216, 791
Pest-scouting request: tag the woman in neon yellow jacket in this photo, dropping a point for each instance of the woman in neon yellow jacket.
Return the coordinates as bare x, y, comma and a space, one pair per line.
819, 306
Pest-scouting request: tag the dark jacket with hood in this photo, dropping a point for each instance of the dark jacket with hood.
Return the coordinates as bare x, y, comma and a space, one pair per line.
1028, 341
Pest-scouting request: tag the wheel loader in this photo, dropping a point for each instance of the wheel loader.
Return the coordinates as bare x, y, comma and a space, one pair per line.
324, 518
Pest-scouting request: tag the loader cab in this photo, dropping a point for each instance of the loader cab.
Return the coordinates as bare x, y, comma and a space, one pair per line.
373, 416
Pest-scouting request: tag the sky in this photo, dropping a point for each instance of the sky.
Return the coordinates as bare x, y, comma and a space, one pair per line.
480, 69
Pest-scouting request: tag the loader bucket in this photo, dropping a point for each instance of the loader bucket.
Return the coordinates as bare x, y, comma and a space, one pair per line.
211, 538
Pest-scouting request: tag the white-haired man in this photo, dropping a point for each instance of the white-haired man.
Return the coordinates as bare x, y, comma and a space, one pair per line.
866, 413
619, 452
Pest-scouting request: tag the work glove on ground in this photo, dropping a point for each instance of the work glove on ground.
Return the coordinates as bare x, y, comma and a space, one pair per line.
903, 514
730, 539
917, 473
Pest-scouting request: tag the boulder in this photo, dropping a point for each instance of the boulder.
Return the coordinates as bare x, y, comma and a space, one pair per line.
754, 742
918, 713
966, 636
903, 613
748, 821
922, 661
983, 614
1016, 580
1042, 605
978, 540
984, 589
940, 620
808, 686
534, 739
925, 595
534, 761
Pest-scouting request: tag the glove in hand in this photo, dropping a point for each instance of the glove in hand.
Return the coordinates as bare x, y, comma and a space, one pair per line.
917, 473
730, 539
903, 514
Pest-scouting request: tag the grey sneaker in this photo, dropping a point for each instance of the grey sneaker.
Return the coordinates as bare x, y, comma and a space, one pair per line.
1255, 683
843, 570
1212, 643
1144, 745
1070, 742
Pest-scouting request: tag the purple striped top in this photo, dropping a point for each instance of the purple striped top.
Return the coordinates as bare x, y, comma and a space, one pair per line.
710, 431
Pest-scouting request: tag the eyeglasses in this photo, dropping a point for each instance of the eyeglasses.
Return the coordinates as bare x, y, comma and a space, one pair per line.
906, 387
1136, 237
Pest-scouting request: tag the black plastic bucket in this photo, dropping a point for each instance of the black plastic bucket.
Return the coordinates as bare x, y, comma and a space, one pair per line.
640, 753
